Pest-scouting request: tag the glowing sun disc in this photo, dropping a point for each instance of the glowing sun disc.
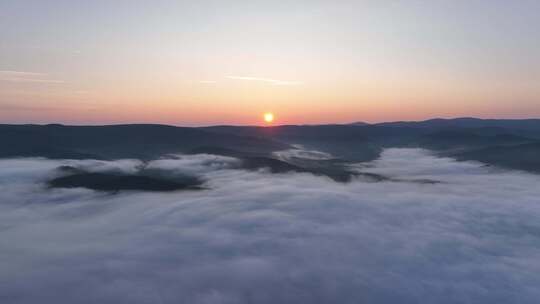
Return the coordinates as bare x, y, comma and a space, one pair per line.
268, 117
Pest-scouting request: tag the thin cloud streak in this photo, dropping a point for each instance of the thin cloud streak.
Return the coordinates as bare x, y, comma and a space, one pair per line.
21, 108
32, 77
32, 80
266, 80
19, 73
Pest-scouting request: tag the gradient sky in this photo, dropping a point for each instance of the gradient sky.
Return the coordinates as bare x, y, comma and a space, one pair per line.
226, 62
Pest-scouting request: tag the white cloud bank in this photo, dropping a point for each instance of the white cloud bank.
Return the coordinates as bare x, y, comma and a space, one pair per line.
282, 238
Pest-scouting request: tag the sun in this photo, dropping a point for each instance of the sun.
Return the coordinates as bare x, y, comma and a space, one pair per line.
268, 117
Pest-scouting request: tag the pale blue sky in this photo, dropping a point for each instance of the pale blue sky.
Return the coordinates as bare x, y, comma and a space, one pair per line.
204, 62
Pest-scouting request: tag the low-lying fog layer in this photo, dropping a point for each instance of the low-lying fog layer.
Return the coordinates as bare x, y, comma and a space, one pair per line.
256, 237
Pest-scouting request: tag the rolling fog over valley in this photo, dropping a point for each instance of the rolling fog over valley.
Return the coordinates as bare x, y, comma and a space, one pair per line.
269, 152
431, 229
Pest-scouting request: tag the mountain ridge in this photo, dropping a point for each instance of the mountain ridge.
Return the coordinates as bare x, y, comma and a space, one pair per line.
464, 137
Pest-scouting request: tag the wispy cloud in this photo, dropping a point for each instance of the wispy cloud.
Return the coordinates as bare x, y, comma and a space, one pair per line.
48, 49
266, 80
32, 80
23, 108
22, 76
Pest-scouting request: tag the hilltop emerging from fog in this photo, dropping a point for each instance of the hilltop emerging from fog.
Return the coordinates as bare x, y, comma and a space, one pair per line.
511, 144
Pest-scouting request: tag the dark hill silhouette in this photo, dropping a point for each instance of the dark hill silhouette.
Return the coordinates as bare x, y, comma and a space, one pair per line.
356, 143
335, 169
118, 182
523, 127
118, 141
523, 157
465, 138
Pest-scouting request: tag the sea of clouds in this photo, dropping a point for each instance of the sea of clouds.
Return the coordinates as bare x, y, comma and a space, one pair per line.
257, 237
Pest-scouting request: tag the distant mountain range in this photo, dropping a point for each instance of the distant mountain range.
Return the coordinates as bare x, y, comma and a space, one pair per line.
502, 142
468, 122
119, 141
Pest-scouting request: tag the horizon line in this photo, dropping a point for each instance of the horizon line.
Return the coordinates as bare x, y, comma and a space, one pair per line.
357, 123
